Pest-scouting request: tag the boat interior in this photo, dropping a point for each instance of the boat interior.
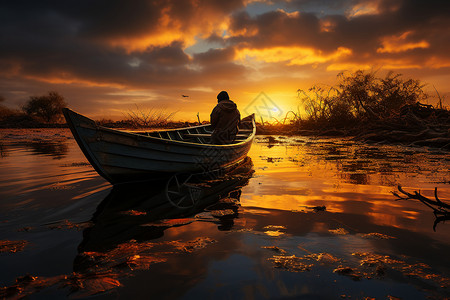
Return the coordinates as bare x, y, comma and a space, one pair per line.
198, 134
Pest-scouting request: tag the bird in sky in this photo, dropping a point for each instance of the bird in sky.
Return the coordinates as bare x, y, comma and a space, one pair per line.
184, 96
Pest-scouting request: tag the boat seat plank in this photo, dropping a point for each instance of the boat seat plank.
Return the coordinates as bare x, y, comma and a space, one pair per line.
205, 135
193, 135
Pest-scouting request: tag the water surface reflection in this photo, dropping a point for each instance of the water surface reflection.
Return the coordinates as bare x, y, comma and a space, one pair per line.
316, 220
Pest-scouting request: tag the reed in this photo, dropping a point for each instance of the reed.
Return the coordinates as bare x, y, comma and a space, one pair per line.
362, 96
151, 117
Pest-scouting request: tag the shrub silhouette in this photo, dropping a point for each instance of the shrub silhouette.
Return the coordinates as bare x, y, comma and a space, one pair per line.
358, 97
47, 107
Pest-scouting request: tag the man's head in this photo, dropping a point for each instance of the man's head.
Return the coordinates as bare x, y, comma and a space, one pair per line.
222, 96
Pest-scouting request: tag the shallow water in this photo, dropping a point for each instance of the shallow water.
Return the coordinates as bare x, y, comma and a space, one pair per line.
316, 220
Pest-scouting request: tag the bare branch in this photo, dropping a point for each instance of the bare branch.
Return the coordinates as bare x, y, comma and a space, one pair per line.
440, 209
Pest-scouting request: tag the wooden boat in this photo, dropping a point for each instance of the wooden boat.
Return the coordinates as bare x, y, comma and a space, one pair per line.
122, 156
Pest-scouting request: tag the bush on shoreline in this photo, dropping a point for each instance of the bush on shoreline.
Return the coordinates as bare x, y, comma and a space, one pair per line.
360, 97
371, 109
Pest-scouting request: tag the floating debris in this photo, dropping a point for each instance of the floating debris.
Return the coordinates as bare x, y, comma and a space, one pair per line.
190, 246
133, 212
380, 263
59, 186
273, 140
25, 229
84, 285
222, 213
226, 202
338, 231
326, 258
127, 256
389, 297
343, 270
271, 159
274, 159
12, 246
274, 233
372, 259
170, 222
274, 227
291, 263
66, 224
370, 265
377, 236
143, 262
27, 285
275, 248
349, 272
241, 230
205, 216
77, 164
319, 208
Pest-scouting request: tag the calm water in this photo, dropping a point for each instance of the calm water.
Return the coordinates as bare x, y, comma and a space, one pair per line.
311, 219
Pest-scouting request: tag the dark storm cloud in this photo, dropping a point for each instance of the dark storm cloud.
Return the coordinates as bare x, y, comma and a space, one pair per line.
275, 28
362, 34
105, 18
75, 39
213, 56
172, 55
318, 6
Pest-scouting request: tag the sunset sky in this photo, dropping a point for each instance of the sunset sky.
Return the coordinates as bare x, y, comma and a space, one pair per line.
107, 56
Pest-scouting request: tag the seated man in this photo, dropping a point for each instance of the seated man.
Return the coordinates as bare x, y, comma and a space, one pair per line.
225, 119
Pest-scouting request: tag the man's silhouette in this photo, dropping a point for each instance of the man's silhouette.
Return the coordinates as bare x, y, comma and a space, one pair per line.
225, 119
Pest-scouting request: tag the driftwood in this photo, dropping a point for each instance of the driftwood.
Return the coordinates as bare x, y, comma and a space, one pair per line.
415, 125
440, 209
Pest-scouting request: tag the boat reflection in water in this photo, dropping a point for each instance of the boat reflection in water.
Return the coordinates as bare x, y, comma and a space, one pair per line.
132, 216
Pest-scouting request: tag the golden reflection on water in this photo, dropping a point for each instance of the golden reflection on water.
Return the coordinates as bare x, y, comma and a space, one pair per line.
298, 175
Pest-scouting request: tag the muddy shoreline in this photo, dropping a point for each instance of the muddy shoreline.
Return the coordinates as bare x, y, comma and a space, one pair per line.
416, 125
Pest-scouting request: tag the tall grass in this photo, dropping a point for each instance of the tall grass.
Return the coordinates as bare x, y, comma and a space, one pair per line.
358, 97
145, 118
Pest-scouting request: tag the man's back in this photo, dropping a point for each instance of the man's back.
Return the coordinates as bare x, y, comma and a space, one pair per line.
225, 119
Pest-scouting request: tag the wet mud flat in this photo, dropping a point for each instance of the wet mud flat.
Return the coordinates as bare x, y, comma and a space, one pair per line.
305, 218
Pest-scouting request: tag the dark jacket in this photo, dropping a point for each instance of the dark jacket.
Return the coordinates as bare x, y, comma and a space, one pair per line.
225, 119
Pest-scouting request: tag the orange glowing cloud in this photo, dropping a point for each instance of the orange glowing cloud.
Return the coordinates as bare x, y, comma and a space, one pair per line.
372, 8
327, 25
400, 43
364, 8
67, 79
139, 44
170, 29
291, 55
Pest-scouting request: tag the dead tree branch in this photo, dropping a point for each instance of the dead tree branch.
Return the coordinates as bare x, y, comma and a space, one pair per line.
440, 209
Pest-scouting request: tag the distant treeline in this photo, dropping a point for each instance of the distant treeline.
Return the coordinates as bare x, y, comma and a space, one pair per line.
46, 111
38, 111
